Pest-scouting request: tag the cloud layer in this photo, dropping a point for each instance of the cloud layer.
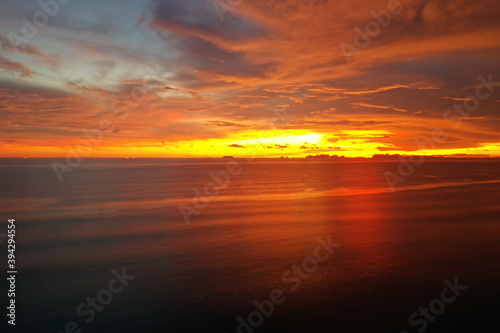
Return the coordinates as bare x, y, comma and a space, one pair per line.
181, 78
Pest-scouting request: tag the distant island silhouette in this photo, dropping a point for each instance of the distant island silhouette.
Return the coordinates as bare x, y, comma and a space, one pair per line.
398, 157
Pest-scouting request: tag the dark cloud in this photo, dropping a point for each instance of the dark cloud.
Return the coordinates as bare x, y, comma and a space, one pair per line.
218, 123
15, 68
10, 47
199, 18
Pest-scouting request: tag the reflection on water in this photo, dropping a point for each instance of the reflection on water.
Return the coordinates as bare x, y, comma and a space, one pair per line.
396, 248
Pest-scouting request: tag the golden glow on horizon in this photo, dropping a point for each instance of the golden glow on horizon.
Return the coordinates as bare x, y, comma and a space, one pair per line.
271, 143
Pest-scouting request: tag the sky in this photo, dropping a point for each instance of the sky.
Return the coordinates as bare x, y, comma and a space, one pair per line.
266, 78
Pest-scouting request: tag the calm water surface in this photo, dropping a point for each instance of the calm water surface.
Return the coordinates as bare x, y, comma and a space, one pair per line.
395, 248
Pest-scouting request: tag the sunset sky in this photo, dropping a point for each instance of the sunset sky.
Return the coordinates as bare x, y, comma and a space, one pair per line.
196, 78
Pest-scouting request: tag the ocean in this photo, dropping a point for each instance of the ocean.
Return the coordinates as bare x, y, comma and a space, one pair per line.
142, 239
